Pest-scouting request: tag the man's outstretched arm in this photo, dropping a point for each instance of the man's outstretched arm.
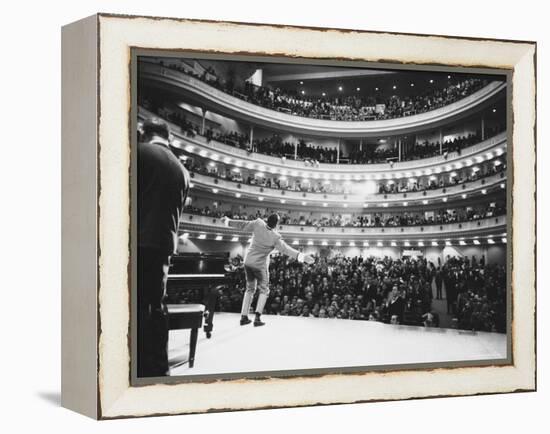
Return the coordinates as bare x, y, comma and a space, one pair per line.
243, 225
285, 249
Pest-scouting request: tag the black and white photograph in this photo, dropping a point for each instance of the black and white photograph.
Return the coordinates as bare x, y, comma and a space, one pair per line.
297, 217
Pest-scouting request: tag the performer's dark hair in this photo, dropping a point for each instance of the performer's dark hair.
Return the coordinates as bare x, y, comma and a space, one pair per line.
155, 127
272, 220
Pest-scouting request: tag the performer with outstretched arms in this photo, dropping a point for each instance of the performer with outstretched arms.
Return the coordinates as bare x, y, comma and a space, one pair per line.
265, 239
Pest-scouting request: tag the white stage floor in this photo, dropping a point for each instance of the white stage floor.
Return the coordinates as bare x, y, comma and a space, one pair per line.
293, 343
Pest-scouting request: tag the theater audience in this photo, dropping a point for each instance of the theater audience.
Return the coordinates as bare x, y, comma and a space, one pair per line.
396, 291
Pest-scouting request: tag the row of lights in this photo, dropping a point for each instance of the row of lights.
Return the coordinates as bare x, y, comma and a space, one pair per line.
338, 243
358, 177
365, 205
358, 89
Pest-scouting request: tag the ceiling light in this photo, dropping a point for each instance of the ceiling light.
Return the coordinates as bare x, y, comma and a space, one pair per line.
202, 236
340, 88
379, 244
310, 243
365, 243
425, 202
352, 243
215, 190
490, 241
476, 242
393, 244
237, 195
235, 239
338, 243
421, 244
295, 242
324, 243
219, 237
434, 243
260, 198
283, 200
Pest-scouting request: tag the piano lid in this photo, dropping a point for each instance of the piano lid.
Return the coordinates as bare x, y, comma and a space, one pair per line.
198, 265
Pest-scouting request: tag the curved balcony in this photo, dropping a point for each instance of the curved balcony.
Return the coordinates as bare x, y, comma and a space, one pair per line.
229, 189
205, 95
230, 155
493, 226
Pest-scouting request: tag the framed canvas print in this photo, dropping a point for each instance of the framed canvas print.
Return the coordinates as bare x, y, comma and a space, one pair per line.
259, 216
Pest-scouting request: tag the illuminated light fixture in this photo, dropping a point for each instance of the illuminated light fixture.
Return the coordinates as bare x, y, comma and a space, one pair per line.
449, 77
448, 243
453, 174
479, 159
438, 170
237, 195
212, 164
444, 199
238, 162
345, 205
476, 242
385, 205
494, 110
324, 243
324, 94
433, 178
261, 168
489, 155
394, 87
490, 241
358, 89
325, 204
448, 168
503, 185
421, 244
352, 243
189, 148
412, 84
365, 205
462, 242
283, 178
191, 185
504, 240
393, 244
380, 244
219, 238
340, 88
202, 236
301, 82
434, 243
315, 175
203, 153
260, 198
365, 243
428, 171
236, 169
310, 243
405, 203
499, 151
235, 239
304, 203
376, 89
283, 200
431, 80
250, 166
458, 165
407, 244
215, 190
249, 240
295, 242
184, 236
338, 244
475, 169
469, 162
227, 160
464, 196
497, 163
303, 92
425, 202
484, 191
214, 157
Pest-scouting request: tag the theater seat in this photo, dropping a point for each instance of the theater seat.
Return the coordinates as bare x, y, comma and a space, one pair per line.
187, 316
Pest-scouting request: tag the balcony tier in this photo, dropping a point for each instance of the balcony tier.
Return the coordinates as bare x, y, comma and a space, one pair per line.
204, 95
493, 226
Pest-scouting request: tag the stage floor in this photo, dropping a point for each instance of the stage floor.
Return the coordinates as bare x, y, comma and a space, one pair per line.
291, 343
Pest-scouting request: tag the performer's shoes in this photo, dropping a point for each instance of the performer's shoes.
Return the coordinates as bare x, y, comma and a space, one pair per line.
245, 320
258, 322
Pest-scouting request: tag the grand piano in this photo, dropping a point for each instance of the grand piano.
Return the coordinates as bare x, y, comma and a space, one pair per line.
196, 278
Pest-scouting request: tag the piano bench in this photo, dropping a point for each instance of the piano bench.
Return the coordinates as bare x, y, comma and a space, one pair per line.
187, 316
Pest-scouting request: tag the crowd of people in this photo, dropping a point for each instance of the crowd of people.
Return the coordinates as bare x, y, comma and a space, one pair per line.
397, 291
432, 182
435, 217
341, 108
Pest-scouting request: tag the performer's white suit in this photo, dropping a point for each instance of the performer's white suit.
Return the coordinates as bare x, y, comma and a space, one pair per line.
256, 262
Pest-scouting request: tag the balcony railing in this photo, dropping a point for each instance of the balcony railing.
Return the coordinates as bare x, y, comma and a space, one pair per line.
489, 226
229, 189
239, 108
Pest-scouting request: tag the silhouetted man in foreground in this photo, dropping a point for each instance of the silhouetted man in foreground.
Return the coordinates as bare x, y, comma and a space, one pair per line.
163, 183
